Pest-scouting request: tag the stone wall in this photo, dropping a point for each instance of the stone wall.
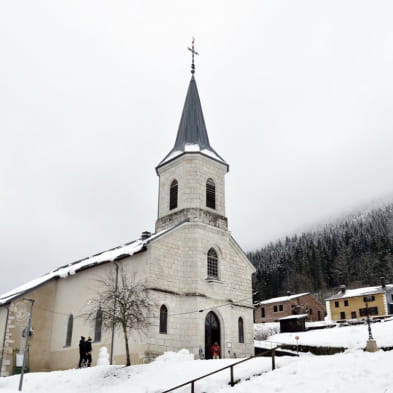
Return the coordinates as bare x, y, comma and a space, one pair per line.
191, 172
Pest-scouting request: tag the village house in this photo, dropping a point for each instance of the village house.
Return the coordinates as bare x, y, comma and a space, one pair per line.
198, 277
353, 303
271, 310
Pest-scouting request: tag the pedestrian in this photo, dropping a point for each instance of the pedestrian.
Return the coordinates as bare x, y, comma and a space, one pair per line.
82, 351
215, 350
201, 354
88, 351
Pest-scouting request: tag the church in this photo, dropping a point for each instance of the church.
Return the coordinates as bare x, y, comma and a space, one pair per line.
198, 278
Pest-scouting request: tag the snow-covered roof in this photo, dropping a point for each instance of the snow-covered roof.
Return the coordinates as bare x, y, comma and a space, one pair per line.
113, 254
283, 298
298, 316
361, 292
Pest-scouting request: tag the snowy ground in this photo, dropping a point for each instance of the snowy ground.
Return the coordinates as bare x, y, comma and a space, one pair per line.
351, 371
354, 371
352, 337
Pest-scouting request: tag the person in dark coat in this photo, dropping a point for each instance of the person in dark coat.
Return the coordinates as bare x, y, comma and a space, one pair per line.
82, 351
88, 351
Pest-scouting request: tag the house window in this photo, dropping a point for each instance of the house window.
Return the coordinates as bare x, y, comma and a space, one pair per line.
319, 315
241, 330
212, 264
263, 312
70, 325
280, 308
275, 308
392, 297
210, 194
346, 304
336, 304
310, 311
370, 298
342, 315
353, 314
163, 319
98, 326
173, 195
371, 311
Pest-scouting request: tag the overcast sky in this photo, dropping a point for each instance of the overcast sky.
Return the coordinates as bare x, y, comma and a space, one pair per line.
297, 98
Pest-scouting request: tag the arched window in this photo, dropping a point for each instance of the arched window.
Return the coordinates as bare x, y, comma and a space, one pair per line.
210, 194
212, 264
173, 195
70, 325
163, 319
98, 326
241, 330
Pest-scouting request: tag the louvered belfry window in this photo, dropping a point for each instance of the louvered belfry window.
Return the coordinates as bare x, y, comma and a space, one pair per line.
163, 319
210, 194
173, 195
212, 264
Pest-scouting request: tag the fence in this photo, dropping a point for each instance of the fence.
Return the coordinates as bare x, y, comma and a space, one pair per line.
232, 380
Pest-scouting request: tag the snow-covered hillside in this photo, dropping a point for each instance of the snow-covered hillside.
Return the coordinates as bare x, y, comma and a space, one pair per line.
352, 337
354, 371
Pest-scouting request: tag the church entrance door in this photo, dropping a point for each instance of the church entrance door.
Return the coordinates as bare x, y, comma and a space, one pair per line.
212, 333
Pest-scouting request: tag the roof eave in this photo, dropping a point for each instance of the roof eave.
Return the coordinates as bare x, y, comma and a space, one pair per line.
164, 162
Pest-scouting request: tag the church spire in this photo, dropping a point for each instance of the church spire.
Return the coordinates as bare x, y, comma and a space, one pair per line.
192, 134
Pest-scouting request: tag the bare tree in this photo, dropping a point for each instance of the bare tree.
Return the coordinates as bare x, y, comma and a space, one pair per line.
124, 305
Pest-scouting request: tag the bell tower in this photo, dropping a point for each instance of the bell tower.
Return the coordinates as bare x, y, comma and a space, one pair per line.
192, 174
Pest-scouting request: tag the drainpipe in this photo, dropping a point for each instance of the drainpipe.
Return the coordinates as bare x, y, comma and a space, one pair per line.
4, 338
22, 373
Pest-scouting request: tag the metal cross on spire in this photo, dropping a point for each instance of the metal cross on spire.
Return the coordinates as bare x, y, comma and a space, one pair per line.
192, 50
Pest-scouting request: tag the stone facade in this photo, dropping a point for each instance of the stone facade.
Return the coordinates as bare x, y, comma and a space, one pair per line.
272, 310
191, 171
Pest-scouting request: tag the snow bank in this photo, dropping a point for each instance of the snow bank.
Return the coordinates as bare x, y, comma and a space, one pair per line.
181, 356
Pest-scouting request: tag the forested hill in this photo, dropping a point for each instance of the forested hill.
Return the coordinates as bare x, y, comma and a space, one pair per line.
357, 251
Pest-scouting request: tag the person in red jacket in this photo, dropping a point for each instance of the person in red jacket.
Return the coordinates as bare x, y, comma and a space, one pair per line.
215, 350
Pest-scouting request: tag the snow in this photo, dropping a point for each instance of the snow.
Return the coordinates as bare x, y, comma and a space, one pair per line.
360, 292
298, 316
351, 337
72, 268
282, 298
352, 371
103, 357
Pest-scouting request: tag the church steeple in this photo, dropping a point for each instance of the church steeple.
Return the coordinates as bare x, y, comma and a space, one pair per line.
192, 184
192, 134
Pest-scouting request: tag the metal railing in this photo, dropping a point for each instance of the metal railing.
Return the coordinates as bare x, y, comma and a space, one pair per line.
232, 381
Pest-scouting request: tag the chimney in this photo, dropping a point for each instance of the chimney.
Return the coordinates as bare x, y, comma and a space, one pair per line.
145, 235
342, 288
383, 282
289, 293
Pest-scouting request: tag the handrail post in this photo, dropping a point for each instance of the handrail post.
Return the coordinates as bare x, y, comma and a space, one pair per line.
192, 387
232, 381
273, 359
